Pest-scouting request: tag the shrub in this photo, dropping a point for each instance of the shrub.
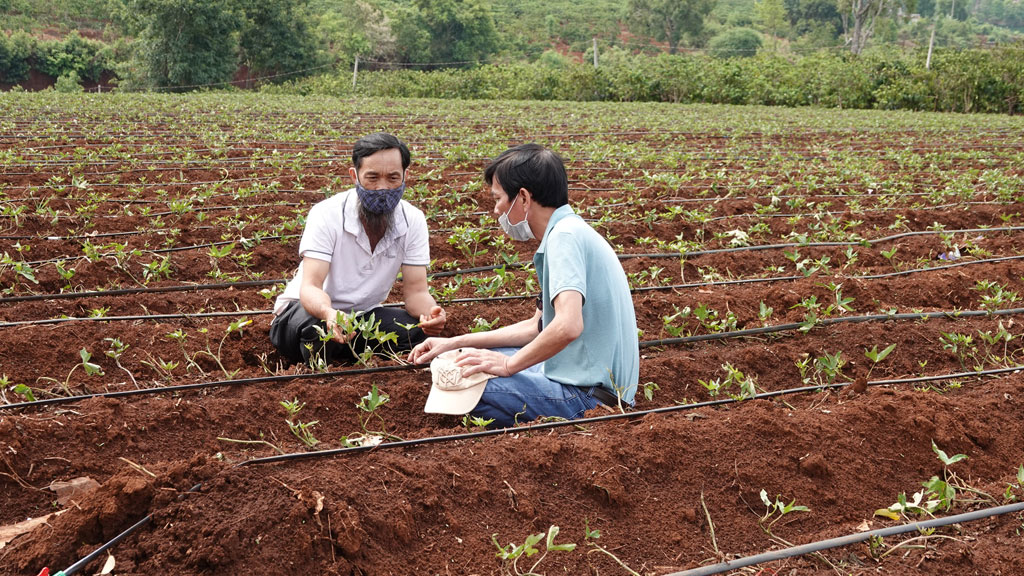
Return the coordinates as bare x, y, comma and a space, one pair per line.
69, 83
735, 43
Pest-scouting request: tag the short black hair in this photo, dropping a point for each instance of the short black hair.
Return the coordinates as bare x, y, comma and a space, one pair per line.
535, 168
373, 143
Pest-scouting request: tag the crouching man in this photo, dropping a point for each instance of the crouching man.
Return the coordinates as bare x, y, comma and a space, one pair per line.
353, 247
580, 348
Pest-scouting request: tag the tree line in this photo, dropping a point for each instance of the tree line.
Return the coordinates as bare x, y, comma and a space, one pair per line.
189, 44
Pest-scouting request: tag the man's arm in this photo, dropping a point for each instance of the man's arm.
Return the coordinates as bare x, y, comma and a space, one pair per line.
313, 298
418, 301
566, 326
516, 335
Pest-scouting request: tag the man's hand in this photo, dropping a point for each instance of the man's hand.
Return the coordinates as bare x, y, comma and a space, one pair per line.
473, 360
433, 323
425, 351
338, 331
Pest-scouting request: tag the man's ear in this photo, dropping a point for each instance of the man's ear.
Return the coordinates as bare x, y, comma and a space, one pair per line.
525, 191
353, 174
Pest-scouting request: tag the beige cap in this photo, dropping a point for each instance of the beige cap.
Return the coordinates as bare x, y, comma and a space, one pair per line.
451, 392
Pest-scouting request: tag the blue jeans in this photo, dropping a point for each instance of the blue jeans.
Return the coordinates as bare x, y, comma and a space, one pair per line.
527, 395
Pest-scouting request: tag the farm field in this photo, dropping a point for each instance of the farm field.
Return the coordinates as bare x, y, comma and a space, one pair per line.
830, 305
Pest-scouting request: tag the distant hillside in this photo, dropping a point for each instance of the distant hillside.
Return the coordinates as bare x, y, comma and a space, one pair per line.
55, 19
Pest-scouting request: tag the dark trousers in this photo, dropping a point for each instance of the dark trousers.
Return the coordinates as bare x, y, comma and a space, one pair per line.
294, 335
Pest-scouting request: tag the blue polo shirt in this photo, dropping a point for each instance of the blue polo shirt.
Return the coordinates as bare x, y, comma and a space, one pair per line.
573, 256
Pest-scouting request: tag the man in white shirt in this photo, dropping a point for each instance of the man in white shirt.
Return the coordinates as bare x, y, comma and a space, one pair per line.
353, 247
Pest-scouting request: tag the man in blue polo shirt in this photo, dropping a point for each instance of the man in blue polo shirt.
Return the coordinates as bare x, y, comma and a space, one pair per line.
580, 348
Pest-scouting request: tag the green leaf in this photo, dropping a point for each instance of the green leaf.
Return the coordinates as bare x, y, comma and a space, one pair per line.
875, 356
552, 533
27, 393
530, 546
947, 460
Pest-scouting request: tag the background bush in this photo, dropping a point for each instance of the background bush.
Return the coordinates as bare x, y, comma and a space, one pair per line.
958, 81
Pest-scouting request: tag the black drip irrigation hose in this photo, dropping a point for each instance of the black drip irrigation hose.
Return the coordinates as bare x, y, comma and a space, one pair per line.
147, 290
850, 539
216, 383
128, 532
520, 265
642, 345
188, 288
170, 250
818, 244
133, 318
829, 322
451, 273
607, 418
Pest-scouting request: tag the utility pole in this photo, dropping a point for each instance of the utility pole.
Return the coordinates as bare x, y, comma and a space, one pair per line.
595, 52
355, 72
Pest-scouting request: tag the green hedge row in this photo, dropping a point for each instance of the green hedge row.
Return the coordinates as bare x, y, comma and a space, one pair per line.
957, 81
72, 56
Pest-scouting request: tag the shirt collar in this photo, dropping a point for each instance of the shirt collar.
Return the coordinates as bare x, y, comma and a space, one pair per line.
559, 213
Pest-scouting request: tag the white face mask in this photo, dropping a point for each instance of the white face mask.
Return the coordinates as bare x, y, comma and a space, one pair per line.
519, 231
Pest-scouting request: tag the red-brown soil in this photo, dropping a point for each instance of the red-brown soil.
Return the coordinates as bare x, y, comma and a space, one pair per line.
668, 491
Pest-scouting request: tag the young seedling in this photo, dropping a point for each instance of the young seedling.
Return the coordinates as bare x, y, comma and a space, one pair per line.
90, 369
482, 325
302, 430
992, 340
776, 510
117, 349
961, 345
21, 389
511, 554
733, 376
472, 422
673, 324
995, 296
160, 267
180, 336
649, 389
939, 493
875, 356
1009, 495
368, 406
162, 367
236, 326
591, 537
888, 255
822, 370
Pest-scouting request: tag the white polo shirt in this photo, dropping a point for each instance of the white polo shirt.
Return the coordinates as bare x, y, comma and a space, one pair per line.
359, 279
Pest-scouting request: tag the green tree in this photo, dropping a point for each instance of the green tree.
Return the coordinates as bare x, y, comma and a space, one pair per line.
668, 20
442, 31
276, 37
813, 15
350, 28
771, 16
15, 51
185, 43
